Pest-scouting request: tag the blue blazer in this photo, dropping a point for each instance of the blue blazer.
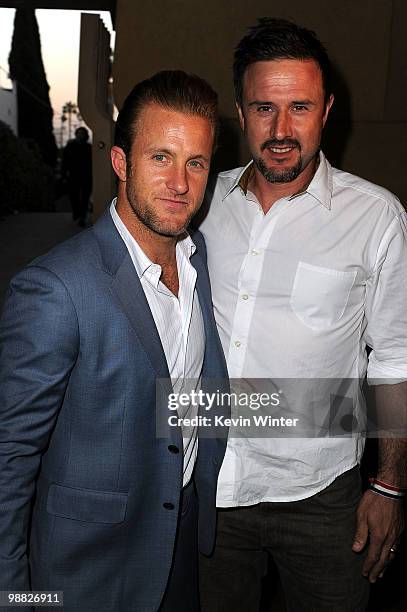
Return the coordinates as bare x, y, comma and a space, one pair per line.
89, 495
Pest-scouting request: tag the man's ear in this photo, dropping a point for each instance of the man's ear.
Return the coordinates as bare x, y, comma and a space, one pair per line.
328, 107
241, 116
118, 157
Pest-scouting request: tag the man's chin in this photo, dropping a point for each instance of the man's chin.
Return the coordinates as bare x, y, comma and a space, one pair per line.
279, 175
170, 230
169, 226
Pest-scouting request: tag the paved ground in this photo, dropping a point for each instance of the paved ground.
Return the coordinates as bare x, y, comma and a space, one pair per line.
27, 235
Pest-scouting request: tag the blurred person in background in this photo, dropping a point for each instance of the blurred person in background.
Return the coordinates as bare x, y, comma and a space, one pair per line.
76, 170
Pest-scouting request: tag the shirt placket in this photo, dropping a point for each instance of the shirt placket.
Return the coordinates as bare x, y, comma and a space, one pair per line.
249, 280
187, 287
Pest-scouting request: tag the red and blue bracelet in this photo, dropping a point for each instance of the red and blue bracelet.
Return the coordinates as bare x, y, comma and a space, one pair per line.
382, 488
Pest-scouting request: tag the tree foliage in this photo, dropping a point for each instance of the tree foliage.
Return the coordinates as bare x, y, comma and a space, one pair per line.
27, 69
26, 182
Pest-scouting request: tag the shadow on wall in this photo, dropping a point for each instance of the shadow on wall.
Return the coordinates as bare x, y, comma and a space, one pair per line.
227, 154
338, 128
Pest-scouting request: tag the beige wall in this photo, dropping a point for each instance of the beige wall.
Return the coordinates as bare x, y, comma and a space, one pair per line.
95, 104
366, 40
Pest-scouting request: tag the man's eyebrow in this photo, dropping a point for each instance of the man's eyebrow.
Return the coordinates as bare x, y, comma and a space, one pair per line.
156, 149
269, 103
260, 103
199, 156
304, 102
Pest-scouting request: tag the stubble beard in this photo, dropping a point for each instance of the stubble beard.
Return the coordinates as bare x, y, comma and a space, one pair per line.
151, 219
283, 175
274, 175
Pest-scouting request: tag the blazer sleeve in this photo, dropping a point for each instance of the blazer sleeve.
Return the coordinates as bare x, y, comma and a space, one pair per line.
39, 341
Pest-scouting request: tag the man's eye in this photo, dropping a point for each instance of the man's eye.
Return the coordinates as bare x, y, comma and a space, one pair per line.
159, 157
264, 108
196, 164
300, 107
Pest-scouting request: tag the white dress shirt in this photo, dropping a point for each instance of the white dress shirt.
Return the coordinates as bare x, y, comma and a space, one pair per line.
298, 294
179, 324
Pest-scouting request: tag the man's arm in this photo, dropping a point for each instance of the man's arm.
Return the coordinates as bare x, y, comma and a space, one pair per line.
38, 348
379, 518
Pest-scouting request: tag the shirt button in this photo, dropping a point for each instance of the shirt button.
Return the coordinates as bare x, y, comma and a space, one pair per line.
173, 449
168, 506
238, 343
245, 296
254, 252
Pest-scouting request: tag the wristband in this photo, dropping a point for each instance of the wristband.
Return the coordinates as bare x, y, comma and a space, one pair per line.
382, 488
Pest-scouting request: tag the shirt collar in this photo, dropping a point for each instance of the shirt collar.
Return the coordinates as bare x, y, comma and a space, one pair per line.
142, 263
320, 187
242, 180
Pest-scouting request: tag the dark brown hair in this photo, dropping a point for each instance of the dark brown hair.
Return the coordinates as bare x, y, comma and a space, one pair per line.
275, 39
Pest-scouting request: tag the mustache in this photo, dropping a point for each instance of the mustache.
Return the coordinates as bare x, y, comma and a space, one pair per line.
285, 142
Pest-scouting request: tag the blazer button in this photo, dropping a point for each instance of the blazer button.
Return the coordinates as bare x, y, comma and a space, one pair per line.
168, 506
173, 449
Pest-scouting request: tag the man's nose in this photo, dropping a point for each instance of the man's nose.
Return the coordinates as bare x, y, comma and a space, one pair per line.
178, 179
281, 126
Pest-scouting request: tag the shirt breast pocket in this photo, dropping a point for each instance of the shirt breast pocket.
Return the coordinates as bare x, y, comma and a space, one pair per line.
319, 295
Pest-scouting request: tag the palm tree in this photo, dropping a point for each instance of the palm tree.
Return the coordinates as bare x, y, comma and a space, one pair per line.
69, 109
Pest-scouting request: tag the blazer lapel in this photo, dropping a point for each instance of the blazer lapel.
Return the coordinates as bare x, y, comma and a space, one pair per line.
215, 362
204, 291
128, 291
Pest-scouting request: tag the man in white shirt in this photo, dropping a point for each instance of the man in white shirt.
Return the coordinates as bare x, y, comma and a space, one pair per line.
308, 267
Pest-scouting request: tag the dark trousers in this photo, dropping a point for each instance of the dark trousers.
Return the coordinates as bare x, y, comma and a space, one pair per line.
181, 594
310, 541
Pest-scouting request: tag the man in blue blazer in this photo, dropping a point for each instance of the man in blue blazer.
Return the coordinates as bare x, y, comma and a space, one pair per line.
92, 501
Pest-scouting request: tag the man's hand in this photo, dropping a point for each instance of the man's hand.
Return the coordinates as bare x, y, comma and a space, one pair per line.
381, 520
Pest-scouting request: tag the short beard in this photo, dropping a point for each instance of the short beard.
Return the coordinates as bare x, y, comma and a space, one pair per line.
274, 175
286, 175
